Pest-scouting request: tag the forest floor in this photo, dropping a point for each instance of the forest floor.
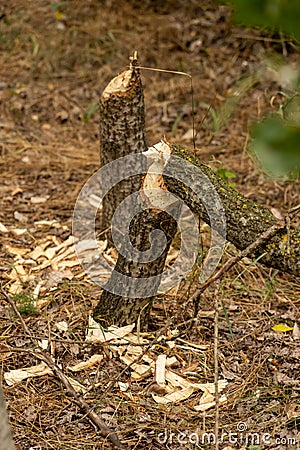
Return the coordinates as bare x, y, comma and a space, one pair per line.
55, 60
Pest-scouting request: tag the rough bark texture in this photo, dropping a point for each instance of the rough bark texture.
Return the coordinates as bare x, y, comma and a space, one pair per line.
122, 132
6, 442
245, 219
141, 287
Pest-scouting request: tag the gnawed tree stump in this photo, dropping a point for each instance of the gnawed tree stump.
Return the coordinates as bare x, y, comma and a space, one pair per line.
128, 295
122, 132
143, 280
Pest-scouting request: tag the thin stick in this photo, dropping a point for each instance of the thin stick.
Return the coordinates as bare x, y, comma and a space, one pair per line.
78, 400
154, 69
233, 261
216, 363
177, 72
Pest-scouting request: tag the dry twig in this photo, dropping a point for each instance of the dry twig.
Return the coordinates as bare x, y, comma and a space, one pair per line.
233, 261
78, 400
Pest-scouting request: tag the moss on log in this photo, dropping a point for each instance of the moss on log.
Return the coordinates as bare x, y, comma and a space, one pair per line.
245, 219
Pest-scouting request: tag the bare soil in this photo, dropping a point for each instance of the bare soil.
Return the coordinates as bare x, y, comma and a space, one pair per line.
55, 60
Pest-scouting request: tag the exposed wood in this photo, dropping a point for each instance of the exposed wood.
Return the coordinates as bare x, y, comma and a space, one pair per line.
143, 277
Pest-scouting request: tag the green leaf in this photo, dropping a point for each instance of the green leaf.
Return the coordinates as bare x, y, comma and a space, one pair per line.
90, 111
226, 174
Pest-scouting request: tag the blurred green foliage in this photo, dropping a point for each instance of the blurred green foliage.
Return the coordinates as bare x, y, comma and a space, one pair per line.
277, 14
276, 145
227, 176
276, 139
90, 111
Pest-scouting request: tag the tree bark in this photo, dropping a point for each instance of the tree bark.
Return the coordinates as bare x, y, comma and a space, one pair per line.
245, 219
122, 132
6, 442
143, 279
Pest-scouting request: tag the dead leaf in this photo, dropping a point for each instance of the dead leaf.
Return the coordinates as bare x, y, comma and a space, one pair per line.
123, 387
62, 326
293, 410
62, 116
20, 217
160, 367
174, 397
285, 379
94, 359
296, 332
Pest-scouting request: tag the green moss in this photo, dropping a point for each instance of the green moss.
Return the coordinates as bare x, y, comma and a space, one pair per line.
25, 303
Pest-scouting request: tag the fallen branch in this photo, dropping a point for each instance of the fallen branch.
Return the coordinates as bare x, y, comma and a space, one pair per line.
233, 261
246, 221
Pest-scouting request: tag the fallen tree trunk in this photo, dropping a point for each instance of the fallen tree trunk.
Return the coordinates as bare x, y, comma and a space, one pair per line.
181, 174
245, 219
